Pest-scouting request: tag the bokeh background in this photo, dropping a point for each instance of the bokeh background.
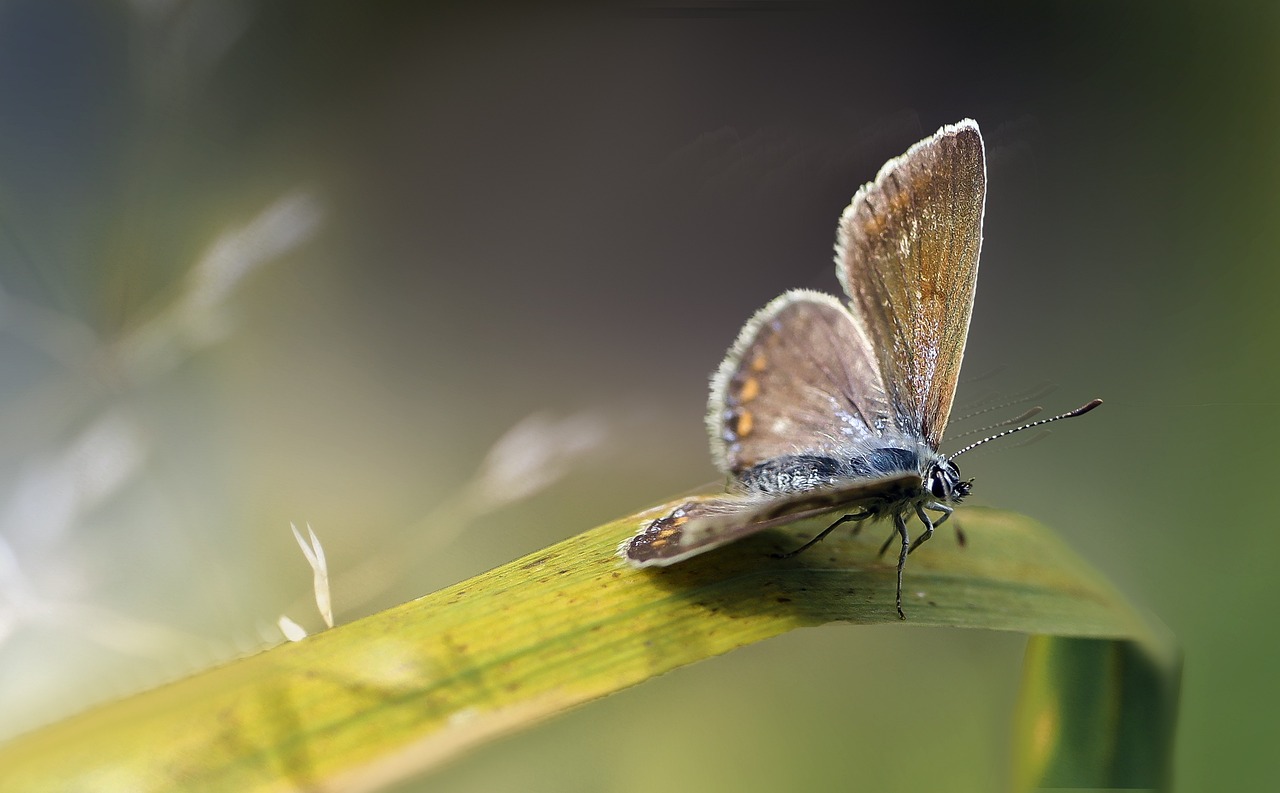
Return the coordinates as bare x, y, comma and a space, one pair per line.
446, 283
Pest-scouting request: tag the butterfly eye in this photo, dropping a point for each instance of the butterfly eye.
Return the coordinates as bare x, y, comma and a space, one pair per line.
944, 482
938, 484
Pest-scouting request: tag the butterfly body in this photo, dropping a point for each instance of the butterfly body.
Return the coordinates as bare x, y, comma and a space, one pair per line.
803, 472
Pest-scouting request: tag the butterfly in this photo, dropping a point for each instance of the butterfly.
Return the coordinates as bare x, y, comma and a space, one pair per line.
822, 405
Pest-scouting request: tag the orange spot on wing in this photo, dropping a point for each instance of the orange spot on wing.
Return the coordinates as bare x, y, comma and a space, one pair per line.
750, 390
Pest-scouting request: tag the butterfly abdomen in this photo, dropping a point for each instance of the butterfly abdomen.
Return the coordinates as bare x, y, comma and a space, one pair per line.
792, 473
797, 473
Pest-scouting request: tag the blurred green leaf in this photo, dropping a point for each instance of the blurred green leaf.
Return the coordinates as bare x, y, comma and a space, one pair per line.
408, 688
1096, 714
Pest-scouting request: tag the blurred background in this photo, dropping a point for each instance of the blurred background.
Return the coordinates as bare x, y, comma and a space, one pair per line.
446, 283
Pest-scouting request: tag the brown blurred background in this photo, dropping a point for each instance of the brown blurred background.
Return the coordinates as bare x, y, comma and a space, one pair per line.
264, 263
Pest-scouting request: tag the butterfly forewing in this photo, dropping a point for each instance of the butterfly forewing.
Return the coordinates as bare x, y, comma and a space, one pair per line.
907, 256
700, 525
800, 378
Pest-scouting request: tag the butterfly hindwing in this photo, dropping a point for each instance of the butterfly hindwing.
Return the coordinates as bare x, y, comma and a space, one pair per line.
800, 378
700, 525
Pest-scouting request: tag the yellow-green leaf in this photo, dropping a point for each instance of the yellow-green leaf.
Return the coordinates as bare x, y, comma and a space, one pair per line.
405, 689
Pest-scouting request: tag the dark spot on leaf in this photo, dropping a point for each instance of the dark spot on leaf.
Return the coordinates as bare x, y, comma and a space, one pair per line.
784, 600
540, 560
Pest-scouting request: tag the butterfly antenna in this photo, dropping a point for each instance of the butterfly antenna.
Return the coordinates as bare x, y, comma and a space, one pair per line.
1070, 414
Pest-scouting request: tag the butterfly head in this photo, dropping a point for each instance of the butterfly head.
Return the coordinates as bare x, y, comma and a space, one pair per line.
944, 482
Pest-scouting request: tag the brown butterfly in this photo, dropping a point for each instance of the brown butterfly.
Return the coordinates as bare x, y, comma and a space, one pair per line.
822, 406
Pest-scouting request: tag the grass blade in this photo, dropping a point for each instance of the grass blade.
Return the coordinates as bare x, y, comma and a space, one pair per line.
405, 689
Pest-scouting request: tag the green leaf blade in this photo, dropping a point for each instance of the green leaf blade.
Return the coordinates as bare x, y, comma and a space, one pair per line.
415, 685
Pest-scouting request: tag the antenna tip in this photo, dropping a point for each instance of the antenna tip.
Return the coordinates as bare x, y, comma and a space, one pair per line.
1083, 409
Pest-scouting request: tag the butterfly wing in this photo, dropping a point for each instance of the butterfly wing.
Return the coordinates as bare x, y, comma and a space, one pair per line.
699, 525
907, 256
801, 377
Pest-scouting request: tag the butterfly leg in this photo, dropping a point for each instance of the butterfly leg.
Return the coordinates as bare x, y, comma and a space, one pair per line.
928, 528
929, 524
945, 509
900, 523
855, 516
948, 511
928, 532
